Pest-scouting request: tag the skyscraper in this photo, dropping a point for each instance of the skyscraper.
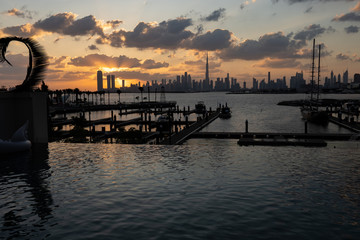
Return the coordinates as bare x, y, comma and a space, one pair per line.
207, 68
346, 77
108, 78
112, 81
99, 81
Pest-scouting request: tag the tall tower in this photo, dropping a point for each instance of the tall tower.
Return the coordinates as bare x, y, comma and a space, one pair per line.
99, 80
112, 81
108, 78
207, 68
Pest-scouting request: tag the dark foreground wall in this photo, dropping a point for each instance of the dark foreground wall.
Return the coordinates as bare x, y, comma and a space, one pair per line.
16, 108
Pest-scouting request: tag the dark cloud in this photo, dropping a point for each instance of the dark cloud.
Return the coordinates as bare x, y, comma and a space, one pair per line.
104, 60
274, 45
351, 29
311, 32
93, 47
26, 30
167, 35
96, 60
151, 64
279, 63
341, 56
353, 15
67, 24
57, 62
215, 15
218, 39
114, 23
61, 23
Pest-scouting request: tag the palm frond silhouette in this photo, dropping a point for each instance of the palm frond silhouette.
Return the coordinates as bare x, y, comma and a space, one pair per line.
38, 61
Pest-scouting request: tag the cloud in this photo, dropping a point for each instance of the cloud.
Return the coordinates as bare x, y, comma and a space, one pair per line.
93, 47
278, 63
351, 29
218, 39
308, 10
67, 24
356, 8
353, 15
312, 31
58, 62
215, 15
151, 64
114, 23
20, 13
26, 30
61, 23
343, 57
274, 45
167, 34
96, 60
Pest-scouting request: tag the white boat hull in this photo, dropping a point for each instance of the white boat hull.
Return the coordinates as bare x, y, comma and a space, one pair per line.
7, 147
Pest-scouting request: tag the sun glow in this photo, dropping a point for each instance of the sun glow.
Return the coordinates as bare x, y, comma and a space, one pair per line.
114, 69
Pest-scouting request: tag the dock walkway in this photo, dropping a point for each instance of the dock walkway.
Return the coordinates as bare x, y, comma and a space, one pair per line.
182, 136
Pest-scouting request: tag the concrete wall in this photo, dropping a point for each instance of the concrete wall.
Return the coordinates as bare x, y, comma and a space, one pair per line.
16, 108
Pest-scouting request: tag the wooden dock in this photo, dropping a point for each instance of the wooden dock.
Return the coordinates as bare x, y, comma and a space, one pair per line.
281, 142
182, 136
104, 107
267, 135
352, 126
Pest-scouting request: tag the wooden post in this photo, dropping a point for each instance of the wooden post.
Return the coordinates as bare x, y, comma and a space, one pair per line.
246, 126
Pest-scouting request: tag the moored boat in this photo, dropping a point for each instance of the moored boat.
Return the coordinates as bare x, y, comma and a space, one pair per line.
225, 112
200, 107
312, 113
17, 143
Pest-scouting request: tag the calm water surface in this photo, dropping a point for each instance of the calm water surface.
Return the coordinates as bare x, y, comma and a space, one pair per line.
204, 189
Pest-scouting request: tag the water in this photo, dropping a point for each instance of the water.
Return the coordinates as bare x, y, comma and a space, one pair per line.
204, 189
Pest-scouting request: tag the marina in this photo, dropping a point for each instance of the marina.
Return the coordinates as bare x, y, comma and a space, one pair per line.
186, 122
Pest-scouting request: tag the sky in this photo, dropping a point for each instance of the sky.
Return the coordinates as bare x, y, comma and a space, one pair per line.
144, 40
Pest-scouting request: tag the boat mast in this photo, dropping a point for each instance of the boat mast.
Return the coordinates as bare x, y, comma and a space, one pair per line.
318, 89
312, 71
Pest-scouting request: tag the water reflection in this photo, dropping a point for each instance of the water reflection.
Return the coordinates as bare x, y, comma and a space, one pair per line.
23, 177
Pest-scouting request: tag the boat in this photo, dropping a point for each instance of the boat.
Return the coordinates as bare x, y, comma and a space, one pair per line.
163, 123
225, 112
311, 112
17, 143
200, 107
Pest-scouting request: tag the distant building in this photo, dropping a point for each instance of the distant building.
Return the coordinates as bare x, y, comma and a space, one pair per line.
110, 82
99, 81
255, 84
297, 82
346, 77
357, 78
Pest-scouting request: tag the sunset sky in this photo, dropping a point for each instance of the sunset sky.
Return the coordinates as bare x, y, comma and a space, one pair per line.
144, 40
